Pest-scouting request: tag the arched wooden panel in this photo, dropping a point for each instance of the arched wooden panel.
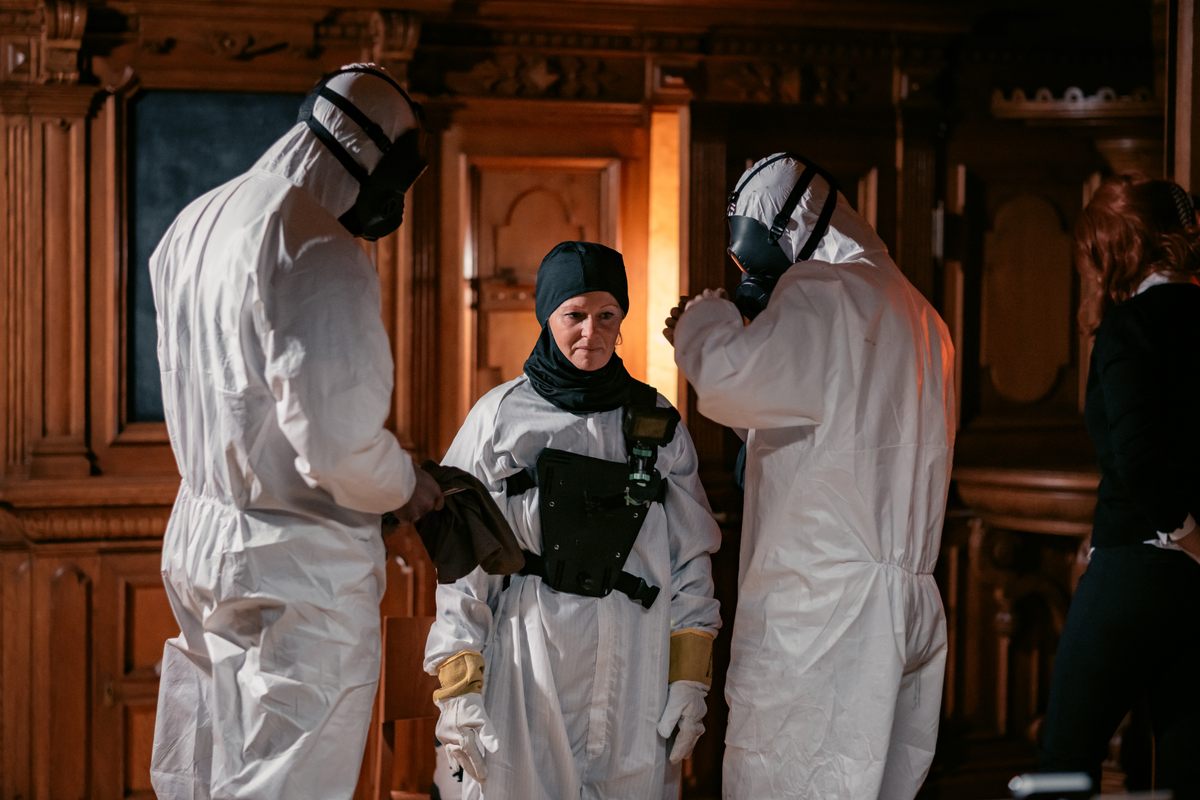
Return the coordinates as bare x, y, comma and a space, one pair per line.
1026, 314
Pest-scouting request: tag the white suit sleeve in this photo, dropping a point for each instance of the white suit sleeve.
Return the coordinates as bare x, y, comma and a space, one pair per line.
692, 535
769, 374
465, 607
329, 367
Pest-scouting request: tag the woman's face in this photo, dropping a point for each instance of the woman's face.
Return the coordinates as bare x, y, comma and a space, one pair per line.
585, 329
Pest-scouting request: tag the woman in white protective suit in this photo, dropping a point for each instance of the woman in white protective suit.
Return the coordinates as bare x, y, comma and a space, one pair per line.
843, 380
598, 655
277, 380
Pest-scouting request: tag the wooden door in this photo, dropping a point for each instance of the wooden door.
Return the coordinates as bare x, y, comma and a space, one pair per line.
523, 207
133, 620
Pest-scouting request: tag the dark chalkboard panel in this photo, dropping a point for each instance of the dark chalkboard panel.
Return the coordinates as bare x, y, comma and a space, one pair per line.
182, 145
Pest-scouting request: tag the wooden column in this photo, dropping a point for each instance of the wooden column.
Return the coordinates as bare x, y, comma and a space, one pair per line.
1183, 100
43, 117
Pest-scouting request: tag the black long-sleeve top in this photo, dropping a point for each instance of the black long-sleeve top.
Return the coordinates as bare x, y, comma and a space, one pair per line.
1143, 414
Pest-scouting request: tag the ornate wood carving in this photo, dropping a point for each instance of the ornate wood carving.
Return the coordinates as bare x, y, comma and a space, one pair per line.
65, 20
1075, 105
20, 43
101, 523
536, 75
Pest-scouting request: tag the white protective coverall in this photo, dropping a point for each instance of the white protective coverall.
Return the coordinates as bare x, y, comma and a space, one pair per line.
845, 385
277, 379
574, 685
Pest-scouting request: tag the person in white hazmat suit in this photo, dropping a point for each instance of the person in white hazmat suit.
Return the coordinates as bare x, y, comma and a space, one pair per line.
843, 383
277, 380
593, 688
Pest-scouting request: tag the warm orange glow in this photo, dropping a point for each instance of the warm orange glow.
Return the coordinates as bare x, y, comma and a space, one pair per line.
662, 284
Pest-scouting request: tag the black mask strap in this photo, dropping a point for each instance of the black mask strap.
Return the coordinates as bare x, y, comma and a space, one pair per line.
362, 120
343, 104
822, 225
335, 147
779, 224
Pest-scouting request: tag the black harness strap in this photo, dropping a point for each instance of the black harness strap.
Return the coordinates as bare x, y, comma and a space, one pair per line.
519, 483
628, 584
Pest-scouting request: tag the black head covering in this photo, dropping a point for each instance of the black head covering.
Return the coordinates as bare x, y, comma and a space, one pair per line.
572, 268
569, 270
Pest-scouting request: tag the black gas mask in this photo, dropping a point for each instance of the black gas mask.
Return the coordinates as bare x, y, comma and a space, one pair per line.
755, 248
379, 207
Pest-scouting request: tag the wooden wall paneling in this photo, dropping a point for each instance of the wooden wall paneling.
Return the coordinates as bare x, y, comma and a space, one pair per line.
45, 271
133, 620
1182, 153
456, 342
392, 256
918, 181
250, 47
119, 446
1027, 325
523, 207
14, 202
46, 200
63, 646
709, 267
16, 673
61, 449
1014, 194
920, 132
605, 138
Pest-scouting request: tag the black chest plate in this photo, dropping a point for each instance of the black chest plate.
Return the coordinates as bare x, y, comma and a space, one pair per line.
589, 524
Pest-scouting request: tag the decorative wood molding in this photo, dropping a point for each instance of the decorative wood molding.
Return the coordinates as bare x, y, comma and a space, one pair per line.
1036, 501
65, 20
829, 71
1075, 106
531, 75
393, 38
21, 44
189, 46
108, 523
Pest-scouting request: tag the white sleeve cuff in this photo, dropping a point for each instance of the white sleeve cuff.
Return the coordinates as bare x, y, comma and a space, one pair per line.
1183, 530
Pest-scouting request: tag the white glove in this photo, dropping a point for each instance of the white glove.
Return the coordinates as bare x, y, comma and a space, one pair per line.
466, 732
685, 708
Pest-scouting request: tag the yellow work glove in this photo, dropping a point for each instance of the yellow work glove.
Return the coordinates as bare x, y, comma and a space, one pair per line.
691, 656
461, 673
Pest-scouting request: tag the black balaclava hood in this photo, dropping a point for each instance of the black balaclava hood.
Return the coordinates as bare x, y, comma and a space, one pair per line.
569, 270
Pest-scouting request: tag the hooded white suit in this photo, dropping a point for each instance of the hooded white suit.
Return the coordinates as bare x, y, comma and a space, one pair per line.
845, 384
574, 685
277, 379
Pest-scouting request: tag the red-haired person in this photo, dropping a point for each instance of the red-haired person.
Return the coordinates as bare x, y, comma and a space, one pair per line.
1134, 622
